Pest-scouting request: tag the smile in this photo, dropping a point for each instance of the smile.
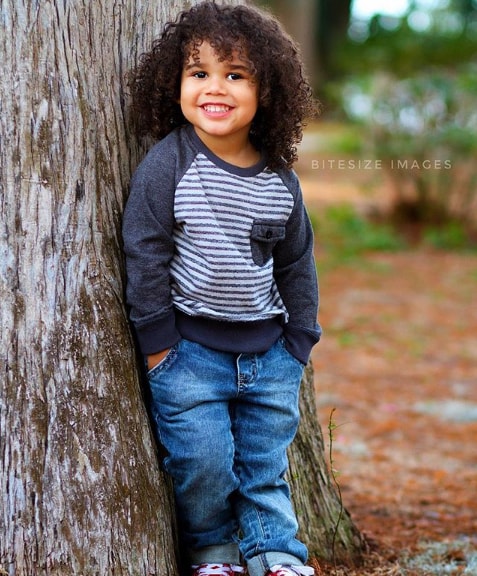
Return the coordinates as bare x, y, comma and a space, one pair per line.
216, 108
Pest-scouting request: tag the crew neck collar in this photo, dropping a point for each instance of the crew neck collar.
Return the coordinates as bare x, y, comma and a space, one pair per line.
227, 166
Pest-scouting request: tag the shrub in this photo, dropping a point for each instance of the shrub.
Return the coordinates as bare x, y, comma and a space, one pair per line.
343, 234
424, 130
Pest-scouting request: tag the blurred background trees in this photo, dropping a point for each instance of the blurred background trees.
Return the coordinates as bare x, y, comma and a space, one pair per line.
404, 76
340, 39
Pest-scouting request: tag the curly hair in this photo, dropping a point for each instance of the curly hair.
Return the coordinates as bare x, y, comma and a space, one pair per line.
285, 97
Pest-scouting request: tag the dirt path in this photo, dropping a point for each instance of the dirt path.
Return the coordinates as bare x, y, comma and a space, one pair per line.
398, 363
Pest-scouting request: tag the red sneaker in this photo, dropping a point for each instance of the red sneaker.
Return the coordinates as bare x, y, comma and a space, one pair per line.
217, 569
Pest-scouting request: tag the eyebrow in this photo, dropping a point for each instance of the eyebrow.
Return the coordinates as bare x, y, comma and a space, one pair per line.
198, 64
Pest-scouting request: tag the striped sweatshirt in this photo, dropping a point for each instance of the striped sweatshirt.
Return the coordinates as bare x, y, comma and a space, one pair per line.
218, 254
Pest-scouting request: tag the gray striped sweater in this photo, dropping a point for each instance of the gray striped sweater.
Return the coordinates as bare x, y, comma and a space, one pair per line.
218, 254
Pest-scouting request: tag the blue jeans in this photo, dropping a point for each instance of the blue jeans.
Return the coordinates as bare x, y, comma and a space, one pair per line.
226, 421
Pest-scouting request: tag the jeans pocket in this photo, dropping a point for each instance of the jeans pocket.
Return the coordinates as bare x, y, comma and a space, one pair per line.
164, 363
283, 343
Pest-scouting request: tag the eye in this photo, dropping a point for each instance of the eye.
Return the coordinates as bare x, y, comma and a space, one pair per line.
199, 75
234, 76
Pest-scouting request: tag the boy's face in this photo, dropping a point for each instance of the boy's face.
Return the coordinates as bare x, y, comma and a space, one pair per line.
219, 98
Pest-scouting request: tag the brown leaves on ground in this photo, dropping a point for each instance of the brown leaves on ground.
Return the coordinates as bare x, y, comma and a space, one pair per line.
398, 363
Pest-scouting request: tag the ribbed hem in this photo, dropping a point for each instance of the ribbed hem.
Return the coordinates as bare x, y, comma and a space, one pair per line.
235, 337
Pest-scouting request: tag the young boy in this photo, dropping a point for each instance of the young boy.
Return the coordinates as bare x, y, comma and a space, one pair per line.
221, 279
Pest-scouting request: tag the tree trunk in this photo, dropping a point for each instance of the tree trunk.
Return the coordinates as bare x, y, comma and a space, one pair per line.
326, 526
300, 20
81, 489
333, 22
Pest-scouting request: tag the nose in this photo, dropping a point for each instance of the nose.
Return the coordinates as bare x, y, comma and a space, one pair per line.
216, 85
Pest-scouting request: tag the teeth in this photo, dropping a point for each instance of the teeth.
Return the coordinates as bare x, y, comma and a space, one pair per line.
216, 108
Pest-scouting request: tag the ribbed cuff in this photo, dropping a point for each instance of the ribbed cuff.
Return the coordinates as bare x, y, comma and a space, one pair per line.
160, 335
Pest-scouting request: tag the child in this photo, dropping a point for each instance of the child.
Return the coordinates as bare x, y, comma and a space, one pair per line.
221, 279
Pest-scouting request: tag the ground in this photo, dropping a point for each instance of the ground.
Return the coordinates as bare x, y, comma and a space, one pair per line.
396, 372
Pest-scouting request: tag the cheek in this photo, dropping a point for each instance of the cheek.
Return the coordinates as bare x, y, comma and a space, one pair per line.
255, 100
256, 95
186, 95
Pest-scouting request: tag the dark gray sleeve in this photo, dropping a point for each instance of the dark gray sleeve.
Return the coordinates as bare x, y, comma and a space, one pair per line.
296, 278
148, 245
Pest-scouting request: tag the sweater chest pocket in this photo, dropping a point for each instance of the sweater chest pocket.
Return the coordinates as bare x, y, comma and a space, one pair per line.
264, 237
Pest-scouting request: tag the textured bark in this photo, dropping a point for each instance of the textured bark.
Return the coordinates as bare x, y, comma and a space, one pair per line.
80, 488
326, 526
81, 491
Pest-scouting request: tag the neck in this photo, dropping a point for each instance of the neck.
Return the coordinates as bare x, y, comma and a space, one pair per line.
234, 149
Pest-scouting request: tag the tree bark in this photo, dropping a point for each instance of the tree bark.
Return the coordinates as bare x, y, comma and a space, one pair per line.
82, 493
80, 485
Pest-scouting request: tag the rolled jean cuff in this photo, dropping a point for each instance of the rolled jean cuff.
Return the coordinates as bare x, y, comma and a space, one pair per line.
223, 553
260, 565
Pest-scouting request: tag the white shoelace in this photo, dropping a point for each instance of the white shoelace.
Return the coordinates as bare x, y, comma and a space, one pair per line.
281, 570
217, 569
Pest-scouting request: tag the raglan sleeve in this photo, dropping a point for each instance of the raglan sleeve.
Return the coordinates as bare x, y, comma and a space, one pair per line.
296, 278
148, 246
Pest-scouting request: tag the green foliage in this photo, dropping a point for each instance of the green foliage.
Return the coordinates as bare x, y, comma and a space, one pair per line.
347, 142
423, 128
404, 52
343, 234
446, 38
452, 236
